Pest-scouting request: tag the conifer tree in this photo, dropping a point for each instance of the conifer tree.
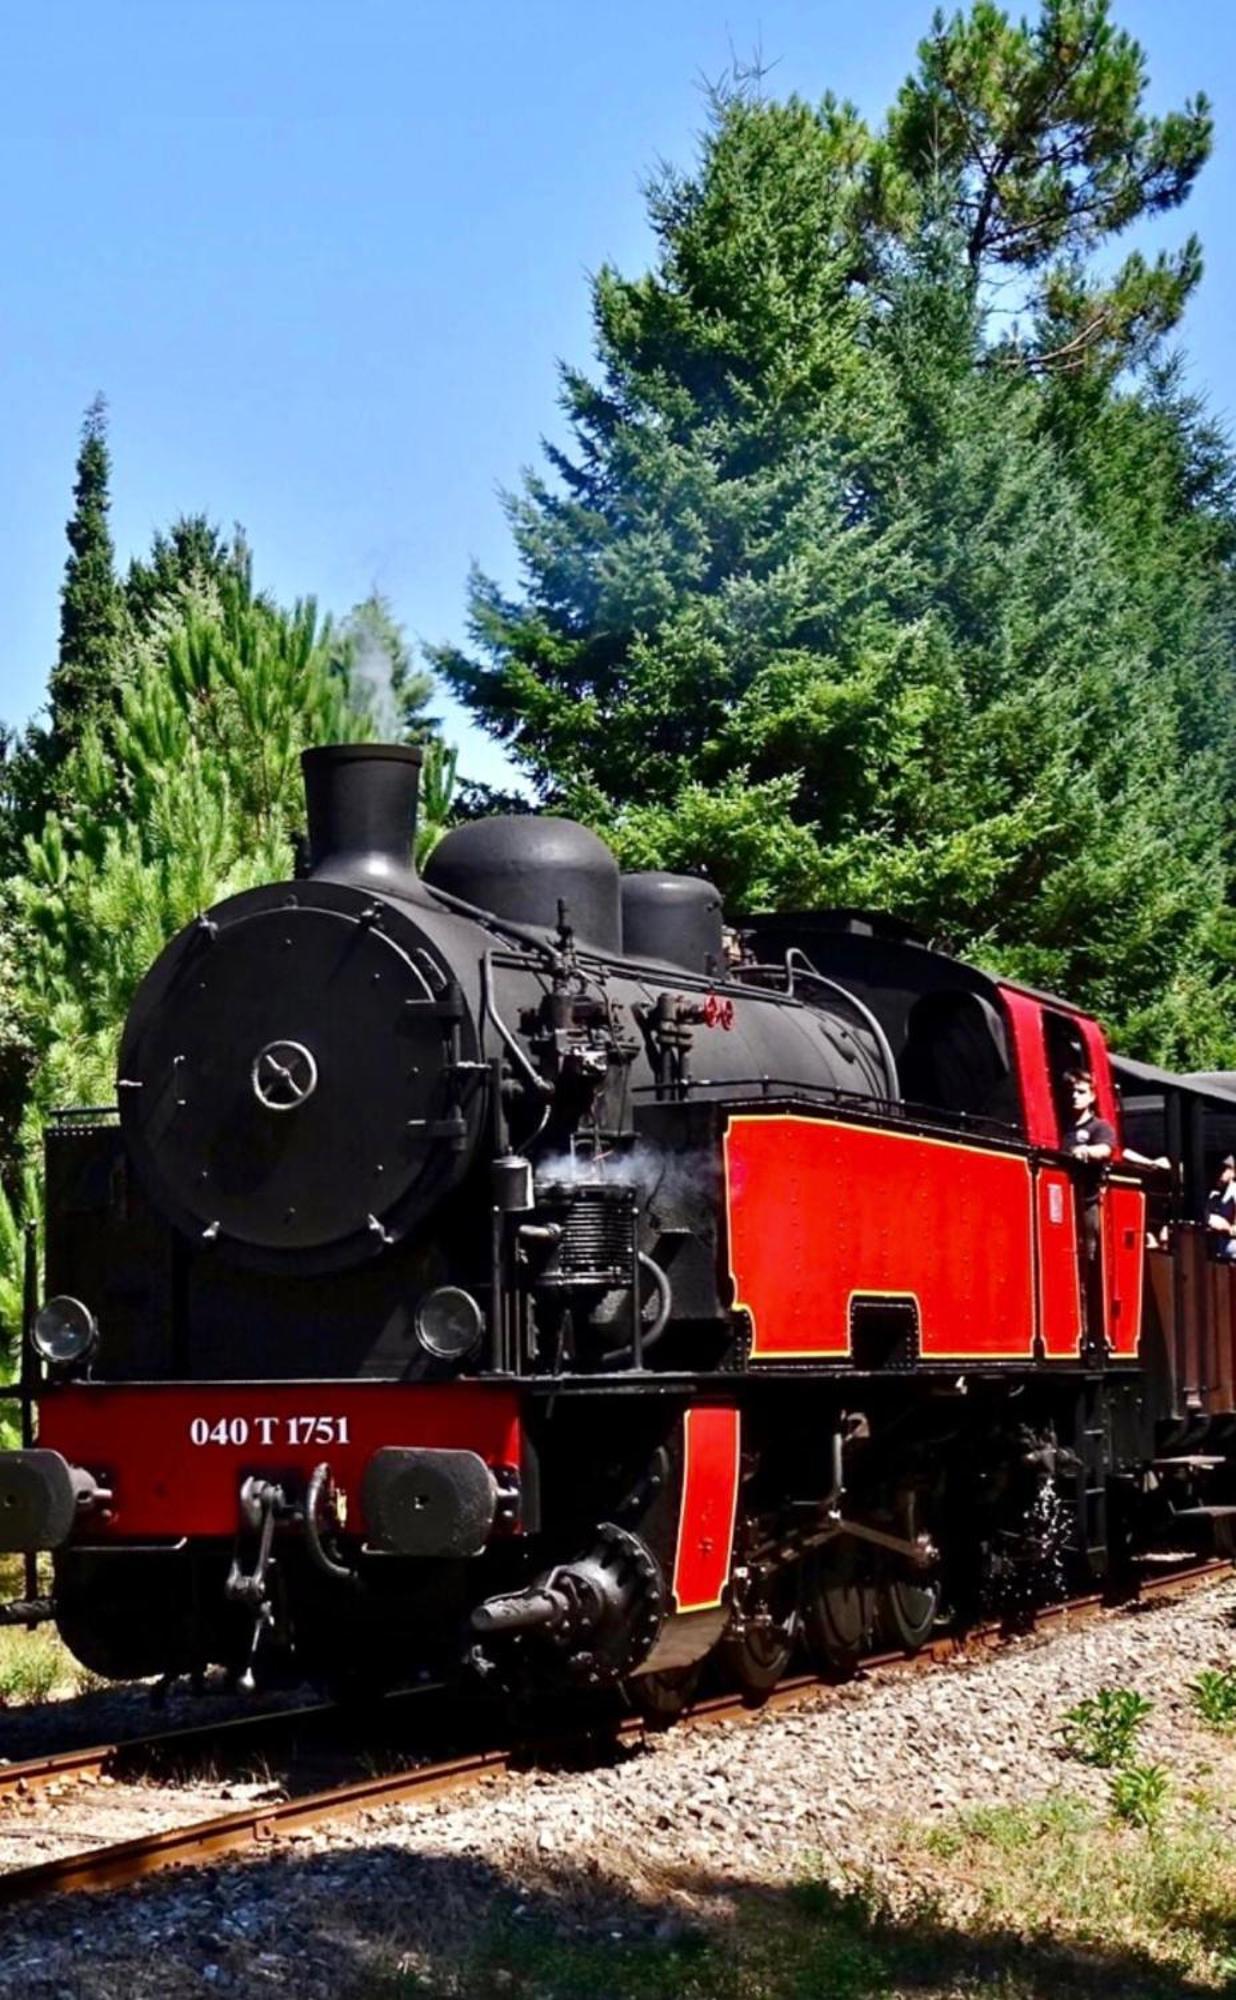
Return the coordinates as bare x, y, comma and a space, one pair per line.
371, 650
186, 790
1039, 131
190, 556
817, 600
84, 680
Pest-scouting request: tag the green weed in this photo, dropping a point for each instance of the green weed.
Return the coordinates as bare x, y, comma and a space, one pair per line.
1103, 1729
1138, 1793
1213, 1695
1144, 1884
1143, 1914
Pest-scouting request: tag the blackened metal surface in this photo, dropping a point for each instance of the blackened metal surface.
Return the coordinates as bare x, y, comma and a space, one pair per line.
107, 1246
293, 1087
597, 1242
524, 866
674, 918
362, 804
428, 1502
910, 989
38, 1500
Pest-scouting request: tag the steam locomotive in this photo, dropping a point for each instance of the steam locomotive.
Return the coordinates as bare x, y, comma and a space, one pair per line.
494, 1273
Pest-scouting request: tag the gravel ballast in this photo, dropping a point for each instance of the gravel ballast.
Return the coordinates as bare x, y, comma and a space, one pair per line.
646, 1845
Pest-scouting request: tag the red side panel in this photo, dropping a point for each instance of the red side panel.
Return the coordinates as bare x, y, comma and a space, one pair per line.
1030, 1052
1124, 1263
823, 1215
175, 1456
1060, 1318
1106, 1101
709, 1499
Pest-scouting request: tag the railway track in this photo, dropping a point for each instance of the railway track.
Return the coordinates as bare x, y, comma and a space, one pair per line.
265, 1823
130, 1756
226, 1740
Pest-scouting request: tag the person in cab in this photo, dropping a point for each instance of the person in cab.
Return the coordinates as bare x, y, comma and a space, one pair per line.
1091, 1140
1221, 1214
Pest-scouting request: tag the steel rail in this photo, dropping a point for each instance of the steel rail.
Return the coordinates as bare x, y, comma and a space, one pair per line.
102, 1759
131, 1861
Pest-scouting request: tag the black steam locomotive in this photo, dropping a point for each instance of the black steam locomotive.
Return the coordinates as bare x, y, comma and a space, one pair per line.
486, 1273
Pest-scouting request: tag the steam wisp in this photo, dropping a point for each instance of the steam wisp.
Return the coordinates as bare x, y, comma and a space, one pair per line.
655, 1175
372, 674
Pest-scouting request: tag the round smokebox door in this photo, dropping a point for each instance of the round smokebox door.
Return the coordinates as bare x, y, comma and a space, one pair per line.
285, 1085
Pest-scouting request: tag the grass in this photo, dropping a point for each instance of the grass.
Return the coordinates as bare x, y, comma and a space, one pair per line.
1151, 1886
34, 1665
1063, 1896
1019, 1902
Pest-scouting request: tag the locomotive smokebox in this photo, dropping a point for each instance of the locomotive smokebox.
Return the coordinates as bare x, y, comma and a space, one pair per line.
300, 1077
362, 801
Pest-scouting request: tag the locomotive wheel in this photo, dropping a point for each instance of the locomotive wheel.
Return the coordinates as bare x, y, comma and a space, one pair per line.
907, 1609
756, 1658
836, 1614
662, 1698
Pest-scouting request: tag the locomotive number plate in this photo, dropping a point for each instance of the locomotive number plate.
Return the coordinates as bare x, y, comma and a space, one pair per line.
280, 1430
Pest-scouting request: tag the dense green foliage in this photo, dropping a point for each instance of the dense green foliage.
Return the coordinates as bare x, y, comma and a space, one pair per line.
833, 597
372, 652
178, 784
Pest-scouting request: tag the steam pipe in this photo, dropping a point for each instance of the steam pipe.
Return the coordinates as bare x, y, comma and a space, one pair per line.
860, 1008
490, 1010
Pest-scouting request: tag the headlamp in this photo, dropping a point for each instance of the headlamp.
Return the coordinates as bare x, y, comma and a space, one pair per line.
64, 1331
449, 1322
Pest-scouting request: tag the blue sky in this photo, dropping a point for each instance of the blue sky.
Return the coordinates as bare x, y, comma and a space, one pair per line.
321, 258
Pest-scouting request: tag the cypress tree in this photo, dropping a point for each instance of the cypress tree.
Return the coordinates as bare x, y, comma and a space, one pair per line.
83, 682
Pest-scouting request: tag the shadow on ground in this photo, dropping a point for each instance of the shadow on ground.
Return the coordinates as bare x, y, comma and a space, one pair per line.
377, 1922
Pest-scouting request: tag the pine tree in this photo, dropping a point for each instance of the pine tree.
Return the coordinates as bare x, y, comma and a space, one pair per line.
83, 683
1039, 132
191, 792
190, 556
711, 461
185, 789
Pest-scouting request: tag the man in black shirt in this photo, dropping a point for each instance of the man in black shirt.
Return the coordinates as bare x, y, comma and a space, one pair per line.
1221, 1214
1089, 1137
1092, 1140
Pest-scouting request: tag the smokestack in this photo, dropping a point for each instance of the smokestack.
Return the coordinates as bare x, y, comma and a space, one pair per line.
361, 800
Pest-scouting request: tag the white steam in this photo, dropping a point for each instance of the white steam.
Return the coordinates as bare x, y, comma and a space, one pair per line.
372, 674
656, 1176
